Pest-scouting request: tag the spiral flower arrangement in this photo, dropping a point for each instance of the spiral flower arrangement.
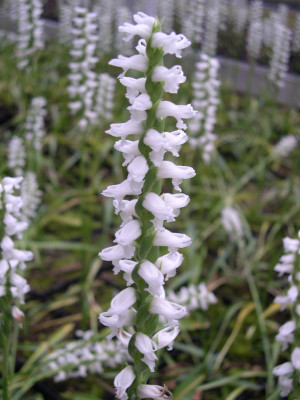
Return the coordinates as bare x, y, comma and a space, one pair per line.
137, 313
289, 333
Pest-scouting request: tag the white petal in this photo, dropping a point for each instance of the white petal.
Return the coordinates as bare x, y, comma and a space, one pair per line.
169, 263
147, 347
171, 240
137, 169
154, 392
168, 109
166, 337
167, 309
128, 234
152, 276
123, 381
295, 358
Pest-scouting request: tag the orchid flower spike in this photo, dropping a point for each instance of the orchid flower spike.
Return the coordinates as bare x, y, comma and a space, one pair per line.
144, 209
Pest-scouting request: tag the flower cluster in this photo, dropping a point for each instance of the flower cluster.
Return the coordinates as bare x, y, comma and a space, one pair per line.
193, 297
165, 10
255, 30
238, 14
280, 54
285, 146
105, 96
105, 13
31, 196
133, 314
30, 30
23, 160
16, 155
296, 34
83, 78
65, 22
12, 260
289, 333
194, 28
269, 24
34, 124
84, 356
283, 13
123, 14
205, 101
212, 20
232, 223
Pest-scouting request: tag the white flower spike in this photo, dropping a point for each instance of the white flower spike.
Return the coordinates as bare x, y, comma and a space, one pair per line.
135, 309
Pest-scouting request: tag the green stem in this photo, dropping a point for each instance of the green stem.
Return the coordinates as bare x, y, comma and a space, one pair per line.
14, 347
4, 341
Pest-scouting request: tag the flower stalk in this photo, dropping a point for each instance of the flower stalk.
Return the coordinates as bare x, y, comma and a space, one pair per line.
135, 313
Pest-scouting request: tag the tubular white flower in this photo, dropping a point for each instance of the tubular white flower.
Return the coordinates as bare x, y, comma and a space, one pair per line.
142, 29
167, 169
158, 207
286, 264
140, 104
285, 146
123, 189
161, 143
128, 234
286, 334
137, 169
171, 44
169, 263
134, 86
129, 149
283, 369
295, 358
166, 337
127, 267
18, 315
123, 381
116, 321
147, 347
172, 77
137, 62
117, 252
168, 109
291, 245
124, 129
126, 208
288, 300
171, 311
176, 201
171, 240
174, 140
154, 392
152, 276
119, 314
